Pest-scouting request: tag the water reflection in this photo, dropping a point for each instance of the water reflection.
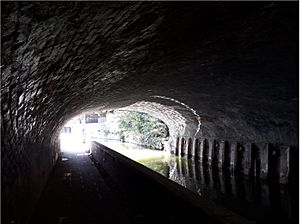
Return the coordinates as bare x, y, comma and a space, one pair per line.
252, 198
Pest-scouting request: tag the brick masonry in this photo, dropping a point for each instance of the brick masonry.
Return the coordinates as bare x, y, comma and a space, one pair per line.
235, 66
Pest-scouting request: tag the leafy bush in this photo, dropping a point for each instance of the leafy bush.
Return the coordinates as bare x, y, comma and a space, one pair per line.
142, 128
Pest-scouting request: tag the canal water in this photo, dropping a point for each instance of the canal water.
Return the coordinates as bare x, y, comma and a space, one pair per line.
256, 200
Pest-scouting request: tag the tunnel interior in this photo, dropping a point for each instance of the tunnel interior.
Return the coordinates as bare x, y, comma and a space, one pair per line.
212, 71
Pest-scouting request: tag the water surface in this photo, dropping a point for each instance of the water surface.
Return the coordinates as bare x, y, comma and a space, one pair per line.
254, 199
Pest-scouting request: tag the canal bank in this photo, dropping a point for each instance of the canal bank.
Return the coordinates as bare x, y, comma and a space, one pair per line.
259, 201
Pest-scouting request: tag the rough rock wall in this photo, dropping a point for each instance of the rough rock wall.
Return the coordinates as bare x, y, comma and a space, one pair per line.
234, 64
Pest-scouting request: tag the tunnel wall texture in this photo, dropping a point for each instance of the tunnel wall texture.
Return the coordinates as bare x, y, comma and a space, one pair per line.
230, 67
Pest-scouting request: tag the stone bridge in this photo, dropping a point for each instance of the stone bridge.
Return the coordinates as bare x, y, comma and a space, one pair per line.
223, 76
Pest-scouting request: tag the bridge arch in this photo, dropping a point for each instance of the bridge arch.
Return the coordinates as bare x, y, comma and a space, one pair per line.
56, 65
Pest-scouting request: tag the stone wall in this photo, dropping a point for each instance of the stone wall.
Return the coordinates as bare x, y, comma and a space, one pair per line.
274, 162
231, 67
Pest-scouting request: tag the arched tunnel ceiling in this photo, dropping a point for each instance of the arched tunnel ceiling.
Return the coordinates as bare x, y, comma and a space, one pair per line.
236, 65
180, 119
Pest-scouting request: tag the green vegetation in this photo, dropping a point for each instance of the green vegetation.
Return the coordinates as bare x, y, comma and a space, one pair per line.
141, 128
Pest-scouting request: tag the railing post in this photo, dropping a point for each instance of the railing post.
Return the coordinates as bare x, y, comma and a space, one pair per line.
210, 152
197, 148
246, 163
284, 164
187, 148
221, 154
263, 154
180, 146
233, 156
177, 145
201, 151
193, 148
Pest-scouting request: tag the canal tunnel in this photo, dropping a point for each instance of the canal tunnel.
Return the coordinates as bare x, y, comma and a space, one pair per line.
223, 77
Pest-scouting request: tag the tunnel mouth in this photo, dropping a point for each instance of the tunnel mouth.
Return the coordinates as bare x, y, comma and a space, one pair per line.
173, 117
138, 128
235, 66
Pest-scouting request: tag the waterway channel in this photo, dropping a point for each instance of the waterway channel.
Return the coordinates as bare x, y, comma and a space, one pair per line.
256, 200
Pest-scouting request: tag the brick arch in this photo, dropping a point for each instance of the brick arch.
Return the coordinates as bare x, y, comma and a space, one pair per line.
56, 64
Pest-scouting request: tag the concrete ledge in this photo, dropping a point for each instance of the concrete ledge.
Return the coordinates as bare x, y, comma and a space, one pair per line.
159, 193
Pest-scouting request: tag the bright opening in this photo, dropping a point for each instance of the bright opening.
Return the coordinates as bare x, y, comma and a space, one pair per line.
139, 129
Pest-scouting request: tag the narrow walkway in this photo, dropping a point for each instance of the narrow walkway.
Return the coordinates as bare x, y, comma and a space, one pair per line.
77, 193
